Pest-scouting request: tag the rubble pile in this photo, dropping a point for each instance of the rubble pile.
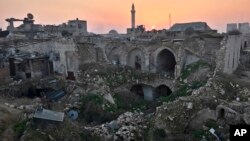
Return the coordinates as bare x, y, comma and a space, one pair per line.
128, 126
221, 101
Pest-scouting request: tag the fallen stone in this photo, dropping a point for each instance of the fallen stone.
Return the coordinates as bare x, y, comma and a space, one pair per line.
113, 125
12, 106
237, 99
170, 118
190, 105
20, 107
198, 120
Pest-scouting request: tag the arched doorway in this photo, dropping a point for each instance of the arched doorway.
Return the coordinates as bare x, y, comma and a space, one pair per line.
162, 90
115, 60
136, 59
166, 62
114, 57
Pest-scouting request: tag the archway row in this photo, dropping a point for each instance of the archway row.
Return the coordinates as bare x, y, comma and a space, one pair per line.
164, 60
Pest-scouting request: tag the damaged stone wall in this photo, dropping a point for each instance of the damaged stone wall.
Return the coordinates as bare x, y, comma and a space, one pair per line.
146, 52
87, 53
58, 51
229, 54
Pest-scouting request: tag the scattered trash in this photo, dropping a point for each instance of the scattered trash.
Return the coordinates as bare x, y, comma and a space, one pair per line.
212, 131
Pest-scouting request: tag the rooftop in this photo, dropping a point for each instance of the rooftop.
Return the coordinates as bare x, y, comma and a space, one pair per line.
197, 26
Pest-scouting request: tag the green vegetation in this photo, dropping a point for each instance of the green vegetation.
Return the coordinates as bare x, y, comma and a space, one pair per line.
212, 124
192, 68
199, 134
96, 99
35, 135
184, 90
95, 109
92, 109
160, 133
20, 127
86, 136
129, 102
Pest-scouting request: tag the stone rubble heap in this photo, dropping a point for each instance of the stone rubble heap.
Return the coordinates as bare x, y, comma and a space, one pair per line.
127, 127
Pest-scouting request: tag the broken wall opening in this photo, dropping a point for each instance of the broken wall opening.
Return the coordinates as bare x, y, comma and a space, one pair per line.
221, 113
144, 91
137, 90
162, 91
166, 62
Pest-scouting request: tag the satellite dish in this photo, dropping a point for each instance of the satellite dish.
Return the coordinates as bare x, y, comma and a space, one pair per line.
30, 16
72, 114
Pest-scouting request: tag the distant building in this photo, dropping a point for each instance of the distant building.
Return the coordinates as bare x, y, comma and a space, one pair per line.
244, 27
28, 28
138, 29
27, 25
73, 27
77, 27
196, 26
241, 27
232, 27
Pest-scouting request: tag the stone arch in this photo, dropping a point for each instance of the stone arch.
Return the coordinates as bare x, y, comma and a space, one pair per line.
136, 59
114, 56
162, 90
165, 61
143, 91
149, 92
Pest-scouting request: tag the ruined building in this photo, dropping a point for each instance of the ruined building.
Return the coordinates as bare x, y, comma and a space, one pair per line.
164, 52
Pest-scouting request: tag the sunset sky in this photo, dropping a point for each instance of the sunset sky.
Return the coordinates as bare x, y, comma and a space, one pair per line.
104, 15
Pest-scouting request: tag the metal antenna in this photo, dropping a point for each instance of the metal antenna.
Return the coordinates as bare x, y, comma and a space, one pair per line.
170, 20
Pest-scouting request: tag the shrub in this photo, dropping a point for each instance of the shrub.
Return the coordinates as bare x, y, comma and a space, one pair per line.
199, 133
86, 136
20, 127
92, 109
159, 134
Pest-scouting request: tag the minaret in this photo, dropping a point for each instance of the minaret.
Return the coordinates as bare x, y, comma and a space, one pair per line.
133, 17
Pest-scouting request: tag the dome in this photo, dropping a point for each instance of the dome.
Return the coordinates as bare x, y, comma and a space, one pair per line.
113, 32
